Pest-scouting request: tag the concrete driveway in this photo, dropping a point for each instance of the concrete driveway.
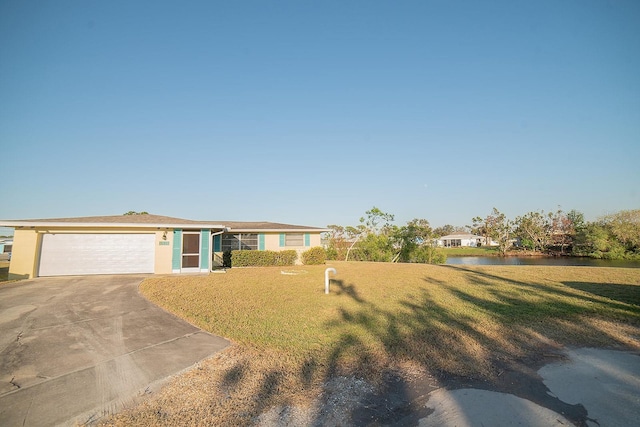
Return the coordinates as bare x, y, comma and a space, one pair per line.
73, 349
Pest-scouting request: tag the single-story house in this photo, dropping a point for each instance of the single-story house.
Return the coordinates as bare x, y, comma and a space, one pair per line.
145, 243
464, 240
6, 246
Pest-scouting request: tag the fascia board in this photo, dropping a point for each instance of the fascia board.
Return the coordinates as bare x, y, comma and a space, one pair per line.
54, 224
277, 230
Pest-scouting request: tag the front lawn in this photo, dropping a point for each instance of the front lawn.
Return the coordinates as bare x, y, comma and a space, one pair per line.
442, 320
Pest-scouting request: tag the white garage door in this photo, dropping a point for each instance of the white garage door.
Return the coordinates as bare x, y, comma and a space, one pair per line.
76, 254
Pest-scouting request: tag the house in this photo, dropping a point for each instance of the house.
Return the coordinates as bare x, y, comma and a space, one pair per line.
124, 244
5, 248
463, 239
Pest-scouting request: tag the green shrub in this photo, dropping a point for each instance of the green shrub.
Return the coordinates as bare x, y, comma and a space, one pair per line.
332, 253
263, 258
314, 256
287, 257
527, 244
429, 255
252, 258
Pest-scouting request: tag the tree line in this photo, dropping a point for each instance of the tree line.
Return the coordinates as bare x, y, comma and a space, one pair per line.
614, 236
376, 238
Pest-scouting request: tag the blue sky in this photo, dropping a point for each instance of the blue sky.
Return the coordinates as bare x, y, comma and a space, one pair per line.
312, 112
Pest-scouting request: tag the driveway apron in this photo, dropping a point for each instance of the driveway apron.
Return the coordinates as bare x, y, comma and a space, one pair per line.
74, 349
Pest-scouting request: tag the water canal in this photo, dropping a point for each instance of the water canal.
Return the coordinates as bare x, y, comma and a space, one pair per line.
557, 261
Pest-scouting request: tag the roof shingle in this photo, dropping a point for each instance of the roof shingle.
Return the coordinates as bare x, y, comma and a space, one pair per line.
157, 220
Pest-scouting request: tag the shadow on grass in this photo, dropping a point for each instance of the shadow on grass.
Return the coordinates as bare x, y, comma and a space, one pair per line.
490, 335
621, 292
627, 294
452, 345
343, 289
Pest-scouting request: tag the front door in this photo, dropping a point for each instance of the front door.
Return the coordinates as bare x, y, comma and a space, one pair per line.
190, 251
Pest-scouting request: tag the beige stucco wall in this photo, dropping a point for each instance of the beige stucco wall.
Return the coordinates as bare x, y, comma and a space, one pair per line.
23, 255
272, 242
164, 252
316, 240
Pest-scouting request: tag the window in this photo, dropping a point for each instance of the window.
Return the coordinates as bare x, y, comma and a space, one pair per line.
452, 243
240, 241
294, 239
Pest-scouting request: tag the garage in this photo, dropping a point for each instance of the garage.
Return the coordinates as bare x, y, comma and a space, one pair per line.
78, 254
137, 243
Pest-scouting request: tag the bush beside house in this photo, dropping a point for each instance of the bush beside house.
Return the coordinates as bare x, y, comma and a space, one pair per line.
314, 256
241, 258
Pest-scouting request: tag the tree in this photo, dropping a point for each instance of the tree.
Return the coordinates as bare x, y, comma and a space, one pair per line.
577, 224
498, 227
420, 242
576, 218
354, 234
625, 227
136, 213
376, 220
375, 247
615, 236
596, 241
534, 230
416, 234
376, 239
481, 228
337, 243
373, 236
563, 229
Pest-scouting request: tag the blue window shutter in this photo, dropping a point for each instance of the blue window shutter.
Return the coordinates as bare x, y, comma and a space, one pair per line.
177, 250
204, 248
217, 243
261, 242
307, 239
282, 240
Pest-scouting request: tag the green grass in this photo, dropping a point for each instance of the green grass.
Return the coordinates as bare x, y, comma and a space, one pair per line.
481, 251
446, 320
445, 317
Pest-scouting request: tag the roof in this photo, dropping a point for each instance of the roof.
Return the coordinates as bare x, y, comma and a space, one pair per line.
266, 226
153, 221
460, 236
112, 219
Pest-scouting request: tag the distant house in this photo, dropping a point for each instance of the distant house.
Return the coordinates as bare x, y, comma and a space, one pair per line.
124, 244
6, 246
464, 240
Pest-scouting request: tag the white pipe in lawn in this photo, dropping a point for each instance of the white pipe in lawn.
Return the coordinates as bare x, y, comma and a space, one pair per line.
326, 278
